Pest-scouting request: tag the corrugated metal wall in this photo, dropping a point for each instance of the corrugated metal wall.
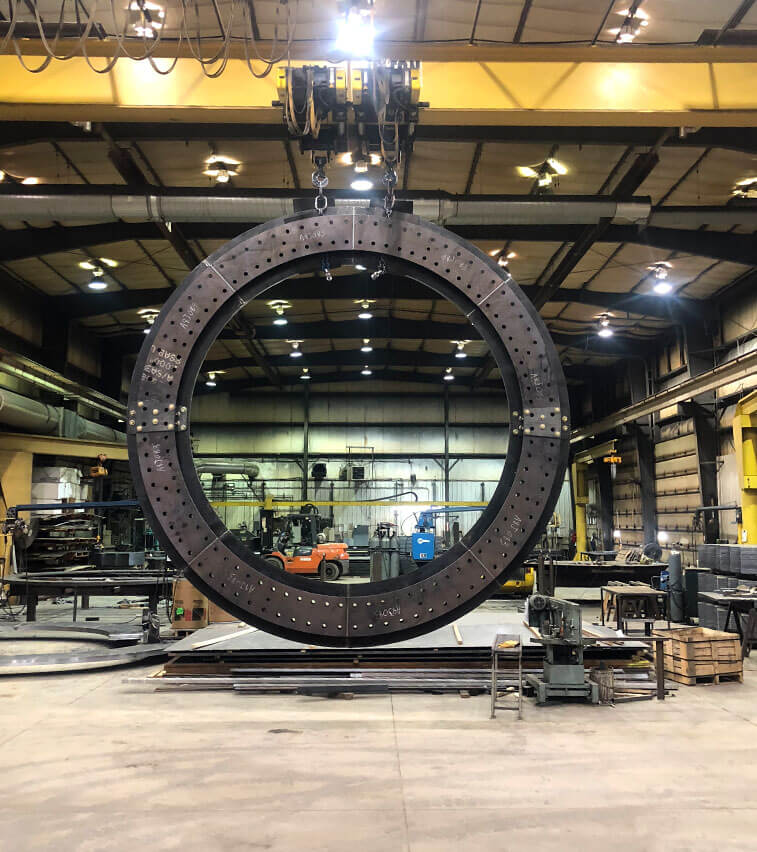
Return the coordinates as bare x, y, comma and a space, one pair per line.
626, 495
678, 487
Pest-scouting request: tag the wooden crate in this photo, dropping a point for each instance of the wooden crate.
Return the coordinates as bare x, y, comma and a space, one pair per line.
701, 643
701, 668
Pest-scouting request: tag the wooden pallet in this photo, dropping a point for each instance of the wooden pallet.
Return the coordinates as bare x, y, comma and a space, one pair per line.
737, 677
701, 643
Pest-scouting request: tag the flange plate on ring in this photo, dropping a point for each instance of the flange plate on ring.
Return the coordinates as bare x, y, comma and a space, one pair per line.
332, 613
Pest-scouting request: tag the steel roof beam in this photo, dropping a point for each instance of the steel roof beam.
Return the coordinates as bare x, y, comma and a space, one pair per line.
737, 248
15, 133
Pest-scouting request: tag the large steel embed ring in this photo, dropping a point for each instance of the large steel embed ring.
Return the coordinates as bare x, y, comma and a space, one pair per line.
309, 610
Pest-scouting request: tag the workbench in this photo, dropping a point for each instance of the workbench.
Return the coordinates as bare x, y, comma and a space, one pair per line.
582, 573
738, 603
635, 602
31, 586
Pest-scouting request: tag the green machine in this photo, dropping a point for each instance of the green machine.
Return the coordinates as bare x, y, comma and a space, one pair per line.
558, 623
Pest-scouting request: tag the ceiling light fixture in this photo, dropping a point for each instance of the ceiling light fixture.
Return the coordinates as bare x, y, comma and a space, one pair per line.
211, 382
746, 188
148, 315
295, 344
634, 20
97, 284
94, 268
365, 304
366, 347
448, 377
305, 376
360, 267
355, 31
362, 184
222, 168
660, 269
460, 348
279, 306
366, 371
604, 325
545, 173
30, 181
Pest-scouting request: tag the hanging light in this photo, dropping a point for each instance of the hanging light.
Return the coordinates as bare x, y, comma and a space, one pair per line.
366, 371
98, 284
746, 188
366, 347
361, 184
355, 28
632, 25
604, 326
660, 270
543, 173
460, 348
365, 304
221, 168
295, 344
448, 376
279, 306
148, 315
96, 267
211, 380
305, 376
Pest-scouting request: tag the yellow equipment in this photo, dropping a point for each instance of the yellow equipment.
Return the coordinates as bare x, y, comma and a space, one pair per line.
520, 587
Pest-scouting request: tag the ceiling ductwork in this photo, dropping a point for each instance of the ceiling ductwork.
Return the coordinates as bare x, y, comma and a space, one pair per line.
220, 468
38, 208
22, 412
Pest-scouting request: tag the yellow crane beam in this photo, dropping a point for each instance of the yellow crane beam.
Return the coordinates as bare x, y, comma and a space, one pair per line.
696, 88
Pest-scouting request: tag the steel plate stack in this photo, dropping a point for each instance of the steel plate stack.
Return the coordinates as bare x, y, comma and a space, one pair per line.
706, 556
723, 554
748, 560
735, 559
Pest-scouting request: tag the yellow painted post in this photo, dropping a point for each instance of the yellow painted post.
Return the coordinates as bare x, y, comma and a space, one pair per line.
745, 443
580, 499
16, 481
15, 477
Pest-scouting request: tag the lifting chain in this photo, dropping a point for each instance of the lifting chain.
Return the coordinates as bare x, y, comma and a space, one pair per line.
390, 181
320, 182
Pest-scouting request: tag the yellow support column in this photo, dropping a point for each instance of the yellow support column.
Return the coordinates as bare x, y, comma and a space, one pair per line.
580, 499
745, 442
15, 478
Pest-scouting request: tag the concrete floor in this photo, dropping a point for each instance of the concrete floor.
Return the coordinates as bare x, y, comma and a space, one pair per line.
92, 763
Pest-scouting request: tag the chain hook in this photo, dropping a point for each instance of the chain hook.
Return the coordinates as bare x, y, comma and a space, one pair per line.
390, 181
320, 182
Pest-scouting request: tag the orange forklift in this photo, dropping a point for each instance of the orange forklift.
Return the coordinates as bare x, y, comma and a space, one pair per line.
325, 559
313, 555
